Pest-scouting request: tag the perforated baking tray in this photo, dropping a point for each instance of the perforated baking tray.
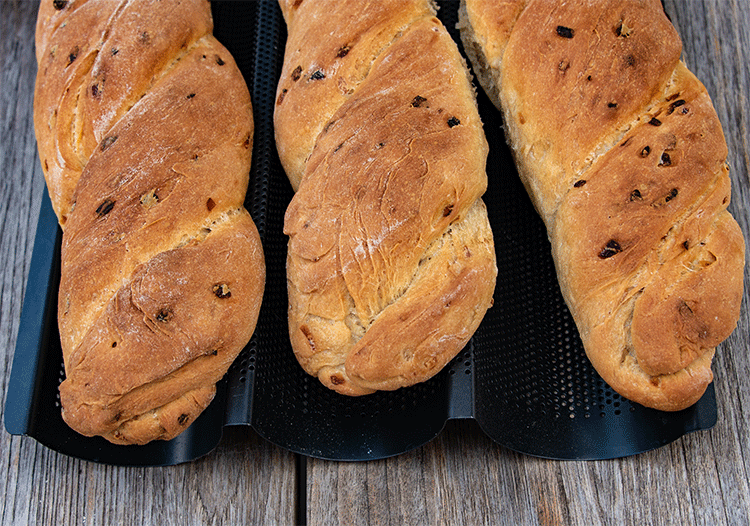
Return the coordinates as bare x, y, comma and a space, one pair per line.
523, 377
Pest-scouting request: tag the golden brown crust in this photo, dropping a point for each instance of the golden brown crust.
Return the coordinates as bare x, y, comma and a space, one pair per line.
624, 157
169, 421
147, 164
328, 70
95, 62
391, 262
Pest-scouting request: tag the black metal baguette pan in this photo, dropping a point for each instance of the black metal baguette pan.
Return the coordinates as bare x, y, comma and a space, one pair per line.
524, 377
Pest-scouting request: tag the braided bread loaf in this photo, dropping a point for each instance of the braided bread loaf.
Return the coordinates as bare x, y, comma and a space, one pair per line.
144, 126
622, 153
391, 262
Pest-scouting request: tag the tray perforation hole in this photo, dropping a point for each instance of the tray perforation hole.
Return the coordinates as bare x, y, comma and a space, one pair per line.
60, 378
462, 362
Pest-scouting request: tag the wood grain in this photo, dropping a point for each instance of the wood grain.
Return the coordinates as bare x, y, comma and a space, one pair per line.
461, 477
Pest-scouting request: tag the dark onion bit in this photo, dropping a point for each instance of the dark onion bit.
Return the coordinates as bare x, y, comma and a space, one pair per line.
108, 141
418, 101
164, 315
222, 291
73, 55
565, 32
343, 51
105, 208
676, 104
610, 249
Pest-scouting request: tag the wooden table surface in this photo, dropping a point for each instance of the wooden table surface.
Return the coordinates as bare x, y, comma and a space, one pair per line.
461, 477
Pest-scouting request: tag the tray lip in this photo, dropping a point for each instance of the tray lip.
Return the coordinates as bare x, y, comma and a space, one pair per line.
20, 394
310, 453
702, 416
